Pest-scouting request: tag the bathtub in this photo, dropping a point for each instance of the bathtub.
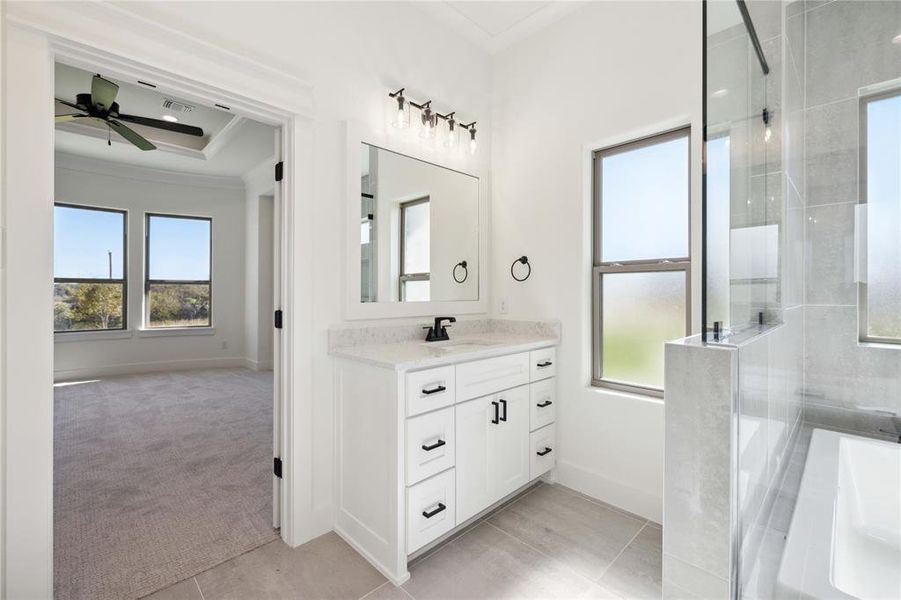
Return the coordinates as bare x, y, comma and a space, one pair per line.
844, 540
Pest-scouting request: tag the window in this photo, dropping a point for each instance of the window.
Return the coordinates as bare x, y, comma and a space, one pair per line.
640, 280
414, 251
177, 286
89, 291
880, 176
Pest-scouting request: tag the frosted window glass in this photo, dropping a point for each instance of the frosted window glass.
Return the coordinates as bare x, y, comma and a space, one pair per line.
884, 218
641, 311
416, 238
645, 202
416, 291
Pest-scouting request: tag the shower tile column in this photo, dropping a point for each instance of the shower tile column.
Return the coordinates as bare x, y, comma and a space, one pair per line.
701, 386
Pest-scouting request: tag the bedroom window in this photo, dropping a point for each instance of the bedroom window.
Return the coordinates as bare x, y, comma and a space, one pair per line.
89, 273
880, 195
178, 266
414, 251
641, 275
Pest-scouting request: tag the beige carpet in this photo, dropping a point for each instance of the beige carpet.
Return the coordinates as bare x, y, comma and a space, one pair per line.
158, 477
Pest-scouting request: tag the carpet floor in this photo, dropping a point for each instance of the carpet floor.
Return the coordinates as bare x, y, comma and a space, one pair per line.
158, 477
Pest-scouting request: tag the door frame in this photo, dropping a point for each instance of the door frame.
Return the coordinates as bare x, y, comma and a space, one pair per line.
120, 43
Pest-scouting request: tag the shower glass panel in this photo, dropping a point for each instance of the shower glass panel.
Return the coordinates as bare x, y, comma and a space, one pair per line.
802, 275
741, 186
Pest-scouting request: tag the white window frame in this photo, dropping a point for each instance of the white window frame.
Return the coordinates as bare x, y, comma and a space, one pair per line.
654, 265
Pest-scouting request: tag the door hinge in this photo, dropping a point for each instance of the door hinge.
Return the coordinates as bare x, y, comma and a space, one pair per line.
277, 467
278, 319
279, 170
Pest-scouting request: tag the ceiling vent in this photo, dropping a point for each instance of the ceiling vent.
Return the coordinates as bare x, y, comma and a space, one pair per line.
173, 106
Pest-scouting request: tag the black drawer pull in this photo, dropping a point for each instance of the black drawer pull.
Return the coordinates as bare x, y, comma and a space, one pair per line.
437, 444
544, 404
544, 452
544, 364
435, 390
504, 404
496, 418
429, 515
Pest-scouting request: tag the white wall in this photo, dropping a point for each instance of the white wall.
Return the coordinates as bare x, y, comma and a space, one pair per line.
97, 183
606, 73
259, 230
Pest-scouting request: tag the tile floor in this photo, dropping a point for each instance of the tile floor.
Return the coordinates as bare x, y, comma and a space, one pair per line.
551, 542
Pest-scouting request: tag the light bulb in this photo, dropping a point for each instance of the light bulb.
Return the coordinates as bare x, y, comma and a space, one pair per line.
453, 134
473, 146
400, 118
767, 134
428, 122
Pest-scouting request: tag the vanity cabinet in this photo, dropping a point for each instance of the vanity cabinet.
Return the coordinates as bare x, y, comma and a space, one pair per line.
422, 451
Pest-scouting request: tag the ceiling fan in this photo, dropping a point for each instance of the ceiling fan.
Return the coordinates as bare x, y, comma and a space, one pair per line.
100, 105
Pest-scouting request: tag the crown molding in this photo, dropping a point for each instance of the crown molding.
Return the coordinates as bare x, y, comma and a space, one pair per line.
83, 164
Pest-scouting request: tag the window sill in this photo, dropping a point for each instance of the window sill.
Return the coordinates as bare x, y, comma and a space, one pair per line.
635, 395
176, 332
878, 345
89, 336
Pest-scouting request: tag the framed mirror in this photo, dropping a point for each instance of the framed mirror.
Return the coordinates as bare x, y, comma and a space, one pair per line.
415, 236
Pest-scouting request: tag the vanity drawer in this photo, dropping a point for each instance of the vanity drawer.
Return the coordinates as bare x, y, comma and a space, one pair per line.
483, 377
543, 449
431, 511
430, 444
542, 403
430, 389
543, 363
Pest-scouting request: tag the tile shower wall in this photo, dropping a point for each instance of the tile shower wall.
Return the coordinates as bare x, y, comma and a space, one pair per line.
847, 48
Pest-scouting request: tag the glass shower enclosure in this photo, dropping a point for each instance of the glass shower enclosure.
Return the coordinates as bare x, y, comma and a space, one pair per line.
802, 278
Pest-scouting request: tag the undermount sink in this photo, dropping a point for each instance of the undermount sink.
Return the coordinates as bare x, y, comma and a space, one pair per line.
460, 345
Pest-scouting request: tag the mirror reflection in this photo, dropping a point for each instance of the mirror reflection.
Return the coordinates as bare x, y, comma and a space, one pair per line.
419, 230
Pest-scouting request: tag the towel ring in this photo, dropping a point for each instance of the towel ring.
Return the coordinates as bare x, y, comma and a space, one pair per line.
523, 260
461, 264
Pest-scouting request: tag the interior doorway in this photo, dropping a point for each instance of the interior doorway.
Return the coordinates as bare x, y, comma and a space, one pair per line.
167, 393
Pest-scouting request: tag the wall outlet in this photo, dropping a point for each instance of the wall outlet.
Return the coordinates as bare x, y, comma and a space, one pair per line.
225, 345
503, 306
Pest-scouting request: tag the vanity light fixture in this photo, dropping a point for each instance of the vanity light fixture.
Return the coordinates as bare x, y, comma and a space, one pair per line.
471, 128
401, 119
430, 121
453, 132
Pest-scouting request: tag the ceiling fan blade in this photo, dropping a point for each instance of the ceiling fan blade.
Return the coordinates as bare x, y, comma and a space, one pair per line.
67, 118
103, 92
131, 135
160, 124
70, 105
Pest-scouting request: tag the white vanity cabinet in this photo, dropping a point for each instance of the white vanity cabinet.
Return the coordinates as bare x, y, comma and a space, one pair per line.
421, 451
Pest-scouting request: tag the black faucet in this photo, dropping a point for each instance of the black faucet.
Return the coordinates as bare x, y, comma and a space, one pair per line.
438, 333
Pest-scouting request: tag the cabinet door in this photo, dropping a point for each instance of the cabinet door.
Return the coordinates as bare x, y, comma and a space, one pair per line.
475, 434
509, 453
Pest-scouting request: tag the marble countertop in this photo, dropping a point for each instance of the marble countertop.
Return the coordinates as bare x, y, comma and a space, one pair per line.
418, 354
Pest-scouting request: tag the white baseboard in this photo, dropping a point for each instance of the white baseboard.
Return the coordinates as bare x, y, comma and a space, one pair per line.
596, 485
146, 367
258, 365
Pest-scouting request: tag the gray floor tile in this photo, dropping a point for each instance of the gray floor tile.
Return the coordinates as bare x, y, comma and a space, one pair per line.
638, 571
387, 591
183, 590
488, 563
581, 534
323, 568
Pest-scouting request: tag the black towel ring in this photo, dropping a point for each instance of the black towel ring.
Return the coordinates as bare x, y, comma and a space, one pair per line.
462, 264
524, 260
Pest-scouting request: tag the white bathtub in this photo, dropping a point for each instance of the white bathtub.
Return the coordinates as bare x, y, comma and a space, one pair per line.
845, 535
